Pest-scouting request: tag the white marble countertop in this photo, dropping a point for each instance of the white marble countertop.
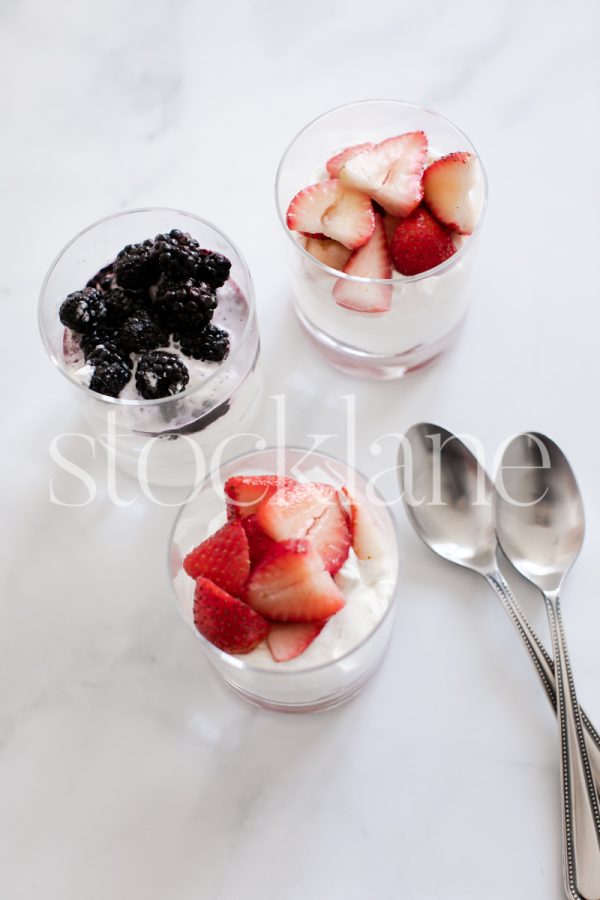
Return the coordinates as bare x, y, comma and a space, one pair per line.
126, 770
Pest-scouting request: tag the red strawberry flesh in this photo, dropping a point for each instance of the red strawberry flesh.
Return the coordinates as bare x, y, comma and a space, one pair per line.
292, 510
245, 493
291, 584
420, 243
225, 621
288, 640
371, 261
224, 557
330, 533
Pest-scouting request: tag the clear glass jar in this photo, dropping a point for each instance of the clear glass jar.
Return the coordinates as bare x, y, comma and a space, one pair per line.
164, 436
427, 310
287, 686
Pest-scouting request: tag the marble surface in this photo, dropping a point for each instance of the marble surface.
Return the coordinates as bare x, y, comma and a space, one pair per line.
126, 770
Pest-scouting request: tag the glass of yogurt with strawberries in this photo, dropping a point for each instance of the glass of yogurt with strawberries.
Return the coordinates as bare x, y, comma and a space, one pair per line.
150, 315
285, 566
382, 203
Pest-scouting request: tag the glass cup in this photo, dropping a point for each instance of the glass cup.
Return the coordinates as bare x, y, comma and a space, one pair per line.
427, 310
167, 440
288, 687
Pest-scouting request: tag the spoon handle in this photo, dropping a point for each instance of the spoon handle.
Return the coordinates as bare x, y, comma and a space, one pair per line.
581, 812
544, 665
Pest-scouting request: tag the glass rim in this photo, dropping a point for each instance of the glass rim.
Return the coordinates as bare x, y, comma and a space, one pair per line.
188, 392
397, 279
237, 662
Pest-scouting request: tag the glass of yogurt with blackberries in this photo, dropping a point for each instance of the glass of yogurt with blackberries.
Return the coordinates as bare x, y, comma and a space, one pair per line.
150, 314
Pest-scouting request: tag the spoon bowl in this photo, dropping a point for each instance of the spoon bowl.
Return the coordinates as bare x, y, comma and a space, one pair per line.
448, 496
539, 510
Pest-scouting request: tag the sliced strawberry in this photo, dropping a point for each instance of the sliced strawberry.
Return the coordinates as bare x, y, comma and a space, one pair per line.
245, 493
225, 621
350, 220
451, 191
335, 210
420, 243
330, 252
371, 261
292, 510
330, 533
290, 639
292, 585
335, 165
391, 173
224, 558
306, 210
366, 536
258, 542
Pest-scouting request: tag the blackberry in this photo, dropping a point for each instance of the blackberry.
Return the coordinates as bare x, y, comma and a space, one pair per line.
108, 339
105, 356
110, 378
83, 310
121, 304
185, 308
214, 268
212, 344
104, 279
160, 374
178, 255
136, 266
141, 332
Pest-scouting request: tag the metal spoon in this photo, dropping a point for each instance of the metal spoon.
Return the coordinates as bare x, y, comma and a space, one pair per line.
540, 524
462, 530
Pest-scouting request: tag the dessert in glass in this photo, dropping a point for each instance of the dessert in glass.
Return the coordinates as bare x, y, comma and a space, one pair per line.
382, 203
285, 566
150, 314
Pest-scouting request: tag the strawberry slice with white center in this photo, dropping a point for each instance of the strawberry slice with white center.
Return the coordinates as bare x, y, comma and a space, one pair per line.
371, 261
332, 209
291, 584
288, 640
391, 172
366, 536
329, 252
452, 188
245, 493
224, 558
335, 165
420, 243
350, 220
330, 533
225, 621
306, 210
292, 510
